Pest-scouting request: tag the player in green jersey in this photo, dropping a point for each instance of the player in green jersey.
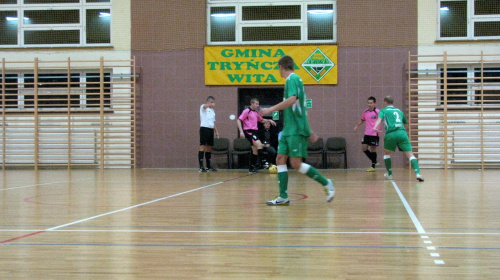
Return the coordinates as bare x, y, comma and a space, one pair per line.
295, 135
395, 136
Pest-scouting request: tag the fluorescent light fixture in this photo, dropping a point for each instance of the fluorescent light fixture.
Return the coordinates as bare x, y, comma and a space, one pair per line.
223, 15
444, 9
15, 18
104, 14
320, 12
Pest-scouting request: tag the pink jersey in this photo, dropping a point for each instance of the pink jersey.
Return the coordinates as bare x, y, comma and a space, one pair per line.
250, 119
370, 117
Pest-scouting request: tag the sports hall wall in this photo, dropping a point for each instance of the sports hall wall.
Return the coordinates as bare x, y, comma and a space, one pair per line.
374, 38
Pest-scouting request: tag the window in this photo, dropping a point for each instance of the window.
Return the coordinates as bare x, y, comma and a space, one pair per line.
469, 19
271, 22
471, 85
39, 23
56, 91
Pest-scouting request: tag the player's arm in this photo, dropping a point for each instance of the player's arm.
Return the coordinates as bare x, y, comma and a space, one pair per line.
360, 123
376, 127
314, 137
280, 106
240, 128
216, 131
268, 121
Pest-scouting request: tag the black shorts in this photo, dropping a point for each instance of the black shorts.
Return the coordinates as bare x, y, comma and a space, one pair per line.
370, 140
251, 135
206, 136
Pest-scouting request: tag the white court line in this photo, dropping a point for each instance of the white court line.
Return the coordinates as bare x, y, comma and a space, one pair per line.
131, 207
37, 185
241, 231
413, 217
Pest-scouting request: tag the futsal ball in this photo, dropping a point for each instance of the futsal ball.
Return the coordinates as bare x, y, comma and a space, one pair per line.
273, 169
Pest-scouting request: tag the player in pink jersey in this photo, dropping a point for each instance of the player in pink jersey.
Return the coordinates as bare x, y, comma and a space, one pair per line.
249, 128
370, 139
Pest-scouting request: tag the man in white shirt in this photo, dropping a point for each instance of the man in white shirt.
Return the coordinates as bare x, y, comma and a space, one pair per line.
207, 128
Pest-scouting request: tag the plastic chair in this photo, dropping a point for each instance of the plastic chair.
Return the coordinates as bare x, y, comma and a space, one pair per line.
335, 145
221, 147
241, 146
317, 148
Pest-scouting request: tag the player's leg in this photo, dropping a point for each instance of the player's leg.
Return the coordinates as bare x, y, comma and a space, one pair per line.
390, 144
260, 162
208, 150
388, 164
405, 146
201, 150
298, 152
281, 160
373, 154
201, 154
373, 149
364, 147
249, 135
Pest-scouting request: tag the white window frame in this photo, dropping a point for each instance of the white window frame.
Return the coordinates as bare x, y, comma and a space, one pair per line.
471, 19
471, 87
80, 91
82, 7
240, 24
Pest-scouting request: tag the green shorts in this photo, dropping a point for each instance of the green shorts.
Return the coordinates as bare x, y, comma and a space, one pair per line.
293, 146
398, 138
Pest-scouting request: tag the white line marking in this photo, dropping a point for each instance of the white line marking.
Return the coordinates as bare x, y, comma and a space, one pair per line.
431, 248
439, 262
413, 217
242, 231
435, 255
424, 236
131, 207
428, 242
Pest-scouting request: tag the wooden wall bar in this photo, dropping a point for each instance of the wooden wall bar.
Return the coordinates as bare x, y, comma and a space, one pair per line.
68, 113
454, 109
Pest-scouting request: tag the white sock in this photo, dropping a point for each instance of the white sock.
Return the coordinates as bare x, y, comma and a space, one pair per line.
282, 168
304, 167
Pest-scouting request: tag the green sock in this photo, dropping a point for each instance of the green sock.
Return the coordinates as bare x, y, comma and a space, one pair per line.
414, 165
314, 174
388, 165
283, 183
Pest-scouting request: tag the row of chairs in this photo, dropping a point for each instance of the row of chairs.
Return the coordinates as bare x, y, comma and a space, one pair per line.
334, 146
240, 147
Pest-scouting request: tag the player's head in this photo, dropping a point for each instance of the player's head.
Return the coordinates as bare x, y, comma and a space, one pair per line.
211, 101
254, 103
372, 102
267, 125
286, 65
389, 100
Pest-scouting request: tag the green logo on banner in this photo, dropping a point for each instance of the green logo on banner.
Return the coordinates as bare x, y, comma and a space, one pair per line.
318, 64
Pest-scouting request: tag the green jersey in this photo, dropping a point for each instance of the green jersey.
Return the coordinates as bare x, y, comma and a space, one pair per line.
295, 117
393, 118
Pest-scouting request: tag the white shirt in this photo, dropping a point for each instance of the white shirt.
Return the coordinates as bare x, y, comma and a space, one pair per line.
207, 117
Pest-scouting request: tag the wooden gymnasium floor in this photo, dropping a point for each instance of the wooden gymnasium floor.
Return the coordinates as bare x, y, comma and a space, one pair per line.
181, 224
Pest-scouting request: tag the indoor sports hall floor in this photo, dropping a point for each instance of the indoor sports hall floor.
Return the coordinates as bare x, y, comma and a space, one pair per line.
182, 224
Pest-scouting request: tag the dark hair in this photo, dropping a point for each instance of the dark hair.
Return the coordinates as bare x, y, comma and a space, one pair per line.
389, 99
287, 62
210, 98
372, 99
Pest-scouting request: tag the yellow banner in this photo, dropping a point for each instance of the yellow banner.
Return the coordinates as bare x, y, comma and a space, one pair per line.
258, 65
